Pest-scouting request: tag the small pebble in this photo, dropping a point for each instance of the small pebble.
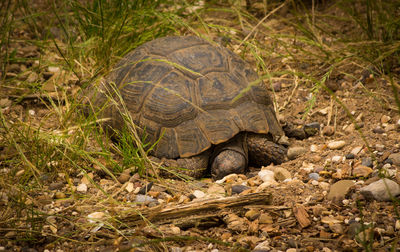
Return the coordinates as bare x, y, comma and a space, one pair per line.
349, 156
277, 86
328, 130
198, 194
130, 187
281, 174
140, 198
385, 119
362, 171
53, 69
339, 190
379, 147
313, 176
60, 195
337, 159
324, 186
356, 150
378, 130
312, 129
237, 189
395, 158
82, 188
295, 151
314, 148
266, 176
335, 145
367, 162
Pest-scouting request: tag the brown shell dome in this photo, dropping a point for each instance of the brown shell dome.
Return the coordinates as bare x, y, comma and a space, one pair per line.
183, 88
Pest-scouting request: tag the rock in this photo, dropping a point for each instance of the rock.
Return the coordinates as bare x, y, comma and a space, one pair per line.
295, 151
145, 188
198, 194
130, 187
53, 69
362, 171
237, 189
324, 186
314, 148
56, 185
349, 156
378, 130
379, 147
277, 86
280, 174
336, 145
216, 189
140, 198
367, 162
124, 176
339, 190
252, 214
395, 158
313, 176
337, 159
381, 190
82, 188
385, 119
328, 130
349, 128
311, 129
356, 150
59, 195
266, 176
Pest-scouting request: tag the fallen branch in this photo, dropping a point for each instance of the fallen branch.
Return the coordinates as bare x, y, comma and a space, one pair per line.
206, 212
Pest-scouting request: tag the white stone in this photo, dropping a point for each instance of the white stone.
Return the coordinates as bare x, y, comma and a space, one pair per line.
82, 187
129, 187
335, 145
337, 159
314, 182
95, 216
31, 112
53, 69
324, 185
313, 148
356, 150
266, 176
381, 190
199, 194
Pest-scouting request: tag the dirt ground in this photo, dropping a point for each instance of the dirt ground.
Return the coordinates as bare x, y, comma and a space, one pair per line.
300, 209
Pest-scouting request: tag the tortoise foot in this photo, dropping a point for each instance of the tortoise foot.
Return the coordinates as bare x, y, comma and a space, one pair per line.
263, 151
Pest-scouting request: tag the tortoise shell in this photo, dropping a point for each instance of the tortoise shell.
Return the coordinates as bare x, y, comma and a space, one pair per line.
192, 93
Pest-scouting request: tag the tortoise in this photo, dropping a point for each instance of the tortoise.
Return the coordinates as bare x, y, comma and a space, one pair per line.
200, 102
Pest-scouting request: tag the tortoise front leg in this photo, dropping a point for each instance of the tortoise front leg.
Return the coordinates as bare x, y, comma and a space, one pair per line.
263, 151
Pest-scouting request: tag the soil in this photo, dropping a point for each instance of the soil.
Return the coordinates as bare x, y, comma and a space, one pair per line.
81, 215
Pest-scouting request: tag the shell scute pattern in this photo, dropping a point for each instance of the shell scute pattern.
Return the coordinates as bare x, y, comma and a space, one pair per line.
191, 110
